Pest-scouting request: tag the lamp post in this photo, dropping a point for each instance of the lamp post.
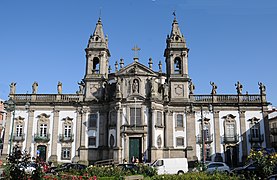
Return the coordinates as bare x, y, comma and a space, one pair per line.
9, 105
203, 131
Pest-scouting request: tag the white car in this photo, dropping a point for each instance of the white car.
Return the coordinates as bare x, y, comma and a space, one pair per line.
29, 168
212, 167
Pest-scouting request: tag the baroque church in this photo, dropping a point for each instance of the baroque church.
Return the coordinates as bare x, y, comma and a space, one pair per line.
137, 112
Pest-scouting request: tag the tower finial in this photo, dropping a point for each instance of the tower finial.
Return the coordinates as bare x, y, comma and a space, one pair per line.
100, 13
174, 14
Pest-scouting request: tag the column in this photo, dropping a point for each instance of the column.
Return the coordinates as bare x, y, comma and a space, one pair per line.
55, 136
191, 140
29, 130
243, 134
217, 145
118, 125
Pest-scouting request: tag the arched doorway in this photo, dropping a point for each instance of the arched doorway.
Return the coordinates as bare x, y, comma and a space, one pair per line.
41, 152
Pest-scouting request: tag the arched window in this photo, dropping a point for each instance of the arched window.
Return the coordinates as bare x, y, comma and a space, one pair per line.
177, 66
95, 65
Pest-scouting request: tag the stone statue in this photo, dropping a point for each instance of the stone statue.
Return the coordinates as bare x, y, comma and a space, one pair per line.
118, 86
81, 87
191, 87
135, 86
262, 88
166, 91
35, 87
239, 87
214, 88
59, 87
12, 88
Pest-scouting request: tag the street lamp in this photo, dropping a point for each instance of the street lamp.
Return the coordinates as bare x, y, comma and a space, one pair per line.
203, 130
9, 105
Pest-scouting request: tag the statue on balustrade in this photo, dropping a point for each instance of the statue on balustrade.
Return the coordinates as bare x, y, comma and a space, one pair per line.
81, 87
59, 87
214, 88
35, 87
239, 87
262, 88
12, 88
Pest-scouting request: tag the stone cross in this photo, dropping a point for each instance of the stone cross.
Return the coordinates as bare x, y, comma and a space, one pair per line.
136, 49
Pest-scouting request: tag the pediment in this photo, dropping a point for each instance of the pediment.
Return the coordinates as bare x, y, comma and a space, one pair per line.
136, 68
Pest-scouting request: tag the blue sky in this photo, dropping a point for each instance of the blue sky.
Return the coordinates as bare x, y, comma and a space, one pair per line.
229, 40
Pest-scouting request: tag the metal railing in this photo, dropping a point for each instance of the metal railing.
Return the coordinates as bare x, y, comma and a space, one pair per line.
42, 137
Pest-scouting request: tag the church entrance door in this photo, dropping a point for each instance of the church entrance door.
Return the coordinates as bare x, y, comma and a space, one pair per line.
41, 152
134, 148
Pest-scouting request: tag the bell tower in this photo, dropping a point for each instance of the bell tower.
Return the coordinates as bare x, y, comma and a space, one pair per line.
176, 58
97, 62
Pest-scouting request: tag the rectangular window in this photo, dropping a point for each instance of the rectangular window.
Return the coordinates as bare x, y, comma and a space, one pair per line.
180, 121
66, 153
43, 130
135, 116
159, 118
180, 141
93, 120
67, 131
92, 141
19, 130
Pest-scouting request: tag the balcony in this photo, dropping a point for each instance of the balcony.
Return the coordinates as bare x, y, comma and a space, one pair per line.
18, 137
66, 137
231, 139
207, 139
44, 138
256, 138
273, 131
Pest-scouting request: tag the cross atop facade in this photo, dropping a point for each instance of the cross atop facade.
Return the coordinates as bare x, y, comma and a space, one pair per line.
136, 49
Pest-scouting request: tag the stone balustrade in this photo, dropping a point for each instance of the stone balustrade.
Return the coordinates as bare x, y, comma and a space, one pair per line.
41, 98
256, 98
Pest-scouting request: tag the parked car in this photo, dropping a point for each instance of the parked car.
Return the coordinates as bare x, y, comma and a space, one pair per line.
29, 168
247, 170
171, 165
130, 167
67, 167
212, 167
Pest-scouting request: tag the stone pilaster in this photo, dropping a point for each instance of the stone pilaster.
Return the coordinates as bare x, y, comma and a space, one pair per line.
191, 140
77, 140
169, 129
217, 144
83, 150
243, 134
29, 130
6, 144
55, 137
153, 139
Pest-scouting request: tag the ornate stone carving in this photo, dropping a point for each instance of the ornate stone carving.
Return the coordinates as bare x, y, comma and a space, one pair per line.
179, 90
135, 86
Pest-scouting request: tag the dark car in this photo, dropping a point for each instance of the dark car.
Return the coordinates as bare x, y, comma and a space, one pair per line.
130, 167
247, 170
68, 166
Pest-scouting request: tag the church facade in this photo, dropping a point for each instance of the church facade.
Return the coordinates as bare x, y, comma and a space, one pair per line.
136, 112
